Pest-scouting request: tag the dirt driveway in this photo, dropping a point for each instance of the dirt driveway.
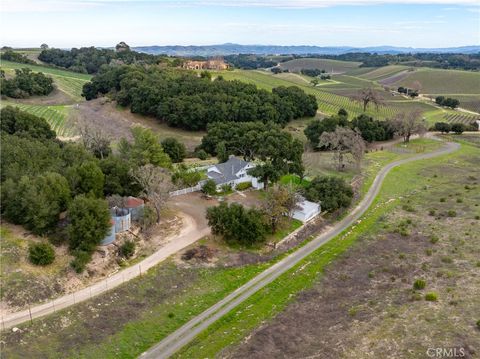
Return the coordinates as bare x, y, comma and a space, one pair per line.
195, 205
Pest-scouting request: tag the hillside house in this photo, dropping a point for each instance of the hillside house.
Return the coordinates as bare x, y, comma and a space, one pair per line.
211, 64
233, 172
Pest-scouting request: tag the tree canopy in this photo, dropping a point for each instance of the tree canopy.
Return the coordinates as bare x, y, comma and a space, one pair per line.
182, 99
25, 83
331, 192
236, 224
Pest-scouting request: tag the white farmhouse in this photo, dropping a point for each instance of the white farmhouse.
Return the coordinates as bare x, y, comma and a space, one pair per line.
306, 210
233, 172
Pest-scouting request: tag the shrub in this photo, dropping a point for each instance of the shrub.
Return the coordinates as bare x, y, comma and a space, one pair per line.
452, 213
202, 155
236, 223
80, 261
458, 128
443, 199
428, 252
210, 187
433, 239
477, 217
431, 297
446, 260
332, 192
174, 149
243, 186
226, 188
419, 284
478, 324
432, 212
459, 200
127, 249
41, 254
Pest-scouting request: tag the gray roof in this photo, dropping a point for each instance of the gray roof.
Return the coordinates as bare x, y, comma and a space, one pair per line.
228, 170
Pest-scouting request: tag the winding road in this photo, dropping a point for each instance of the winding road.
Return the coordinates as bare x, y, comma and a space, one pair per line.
190, 330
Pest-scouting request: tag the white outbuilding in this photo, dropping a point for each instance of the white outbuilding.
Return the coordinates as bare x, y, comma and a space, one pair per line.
306, 210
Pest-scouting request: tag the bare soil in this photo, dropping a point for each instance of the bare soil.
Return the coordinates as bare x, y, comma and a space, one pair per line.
117, 122
56, 97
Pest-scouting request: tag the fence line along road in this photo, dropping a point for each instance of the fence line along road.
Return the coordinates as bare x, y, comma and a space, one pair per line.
195, 326
188, 235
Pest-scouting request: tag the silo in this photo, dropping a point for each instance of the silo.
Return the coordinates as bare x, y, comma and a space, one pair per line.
122, 219
110, 238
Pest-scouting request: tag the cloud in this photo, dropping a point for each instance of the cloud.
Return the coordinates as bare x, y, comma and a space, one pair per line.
78, 5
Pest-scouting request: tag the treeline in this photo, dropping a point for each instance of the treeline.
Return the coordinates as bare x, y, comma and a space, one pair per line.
444, 61
249, 62
182, 99
370, 129
447, 101
13, 56
25, 83
91, 59
42, 177
312, 72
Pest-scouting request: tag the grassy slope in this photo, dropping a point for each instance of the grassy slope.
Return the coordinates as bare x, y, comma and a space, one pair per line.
56, 115
321, 64
438, 81
268, 302
68, 82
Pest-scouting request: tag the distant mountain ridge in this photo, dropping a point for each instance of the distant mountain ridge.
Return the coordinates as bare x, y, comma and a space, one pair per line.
233, 49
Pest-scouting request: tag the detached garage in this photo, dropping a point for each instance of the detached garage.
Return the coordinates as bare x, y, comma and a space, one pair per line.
306, 210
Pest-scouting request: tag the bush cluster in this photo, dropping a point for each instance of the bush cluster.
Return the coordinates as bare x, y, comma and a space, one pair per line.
41, 254
25, 83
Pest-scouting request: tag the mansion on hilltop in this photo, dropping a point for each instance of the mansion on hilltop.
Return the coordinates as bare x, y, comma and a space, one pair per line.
212, 64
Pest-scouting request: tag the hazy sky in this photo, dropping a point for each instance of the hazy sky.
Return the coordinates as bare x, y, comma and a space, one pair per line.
417, 23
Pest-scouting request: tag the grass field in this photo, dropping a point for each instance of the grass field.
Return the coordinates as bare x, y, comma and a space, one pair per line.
435, 81
330, 66
56, 115
382, 73
68, 82
406, 189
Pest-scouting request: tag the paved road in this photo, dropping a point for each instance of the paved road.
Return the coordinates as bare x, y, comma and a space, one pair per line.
190, 330
191, 232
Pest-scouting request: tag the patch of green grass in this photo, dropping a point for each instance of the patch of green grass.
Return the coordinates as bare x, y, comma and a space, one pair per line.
296, 181
286, 230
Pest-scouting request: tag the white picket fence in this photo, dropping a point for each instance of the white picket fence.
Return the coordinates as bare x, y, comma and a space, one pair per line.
196, 188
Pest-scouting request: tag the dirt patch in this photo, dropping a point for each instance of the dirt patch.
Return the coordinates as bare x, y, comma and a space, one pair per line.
103, 114
56, 97
395, 78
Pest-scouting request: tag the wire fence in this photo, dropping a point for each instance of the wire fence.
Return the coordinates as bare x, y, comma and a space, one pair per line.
53, 306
